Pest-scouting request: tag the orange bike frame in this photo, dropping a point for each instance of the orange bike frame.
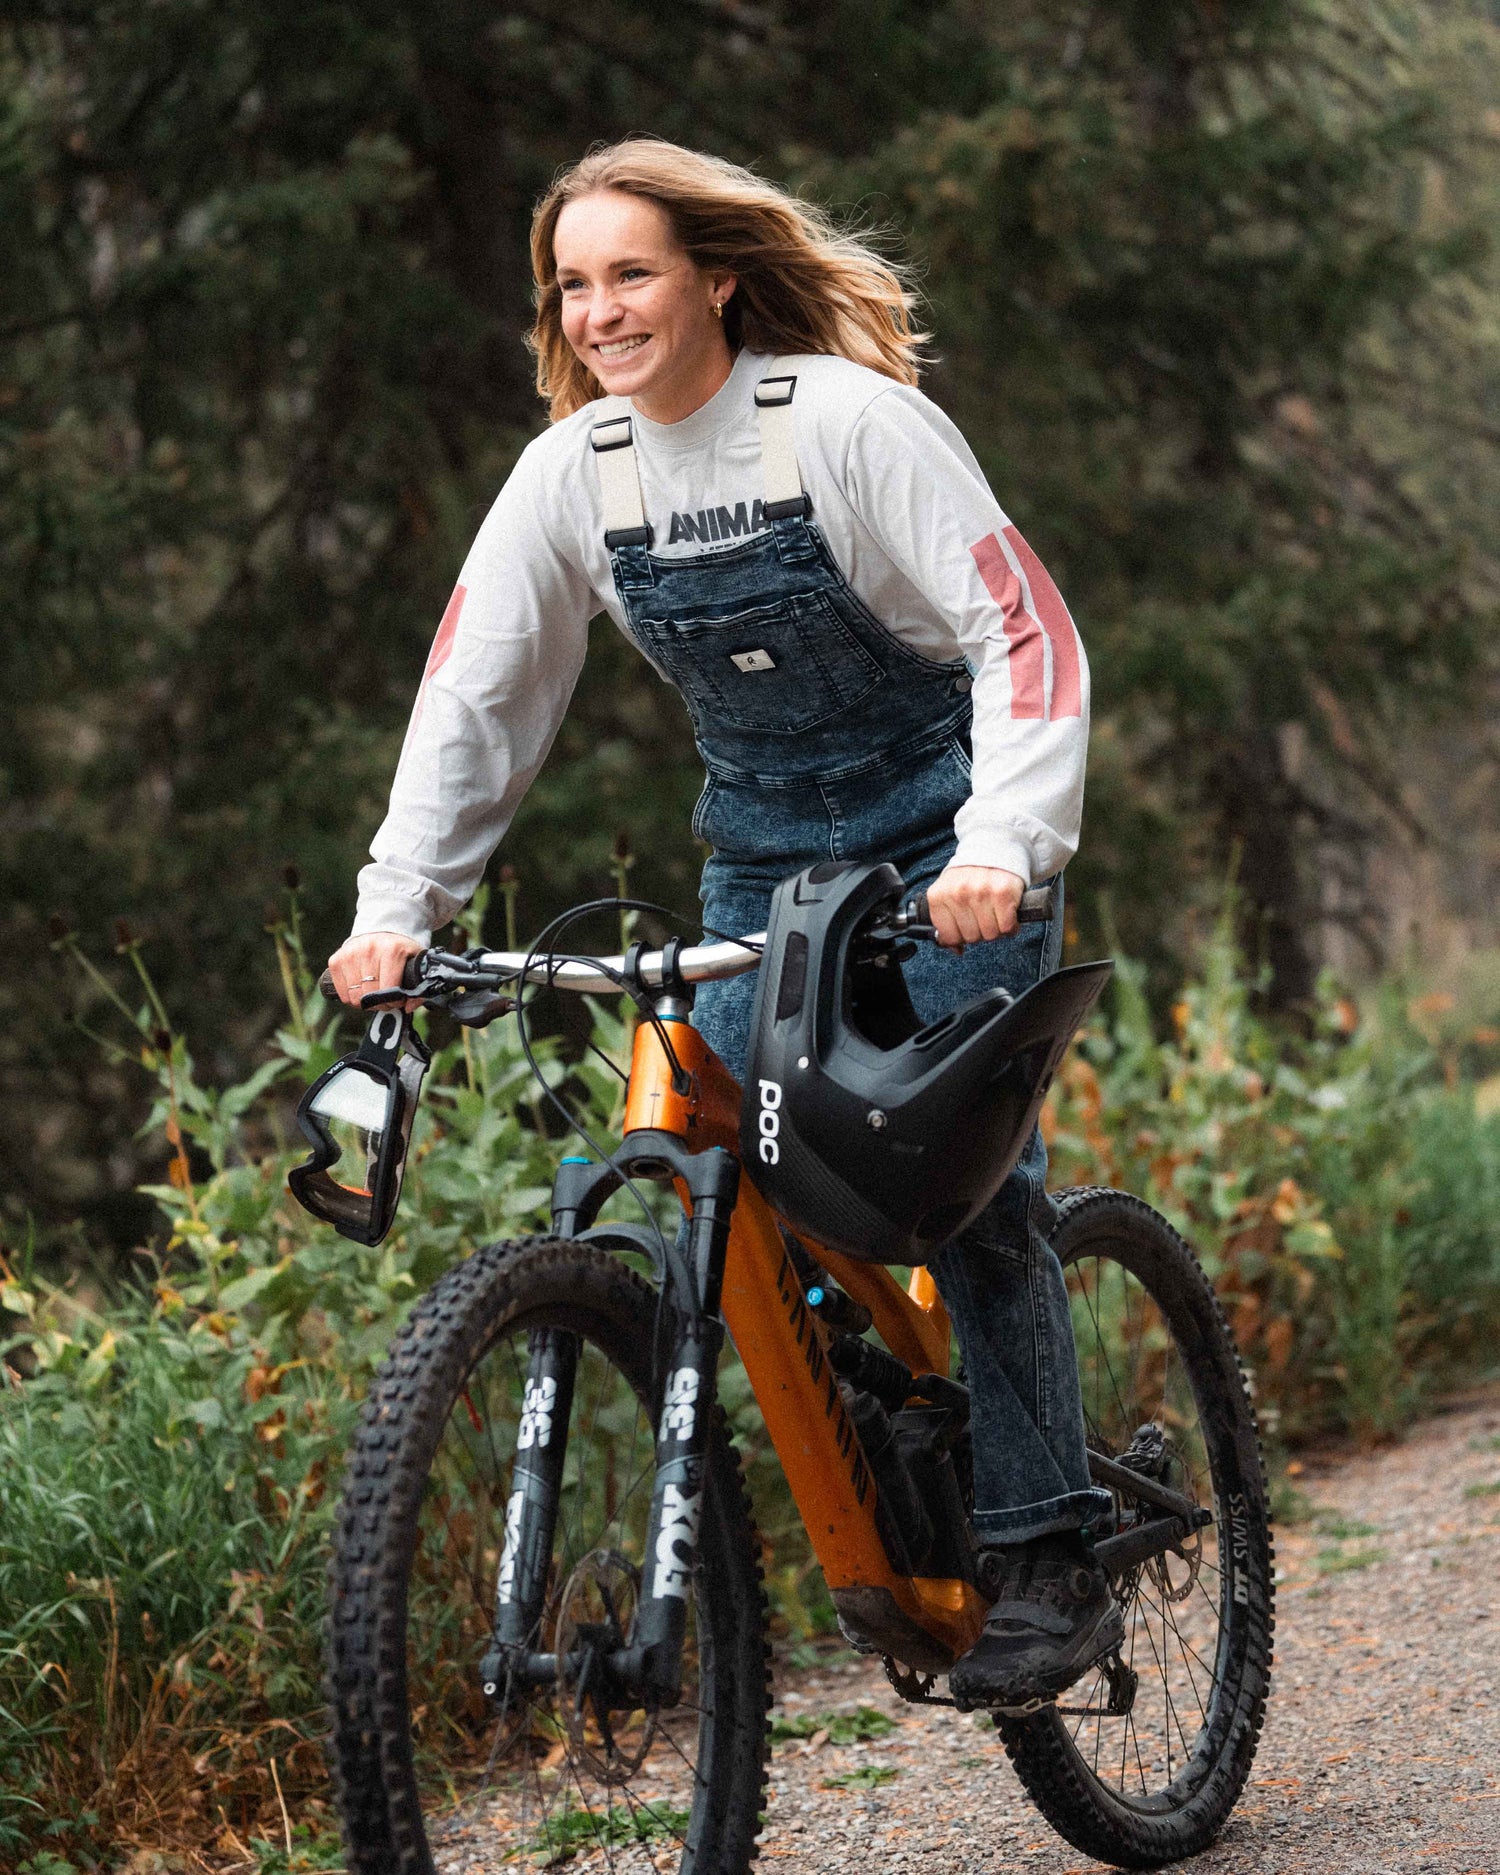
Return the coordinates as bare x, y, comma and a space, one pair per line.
783, 1345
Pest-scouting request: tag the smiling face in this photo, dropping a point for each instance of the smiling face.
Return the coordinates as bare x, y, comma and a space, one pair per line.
636, 308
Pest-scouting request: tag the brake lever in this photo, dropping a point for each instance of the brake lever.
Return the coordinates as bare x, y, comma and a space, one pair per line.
383, 999
443, 980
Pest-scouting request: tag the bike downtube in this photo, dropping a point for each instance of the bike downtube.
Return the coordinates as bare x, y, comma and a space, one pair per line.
781, 1343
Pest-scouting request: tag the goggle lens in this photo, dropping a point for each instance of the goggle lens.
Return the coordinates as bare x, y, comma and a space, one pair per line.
358, 1117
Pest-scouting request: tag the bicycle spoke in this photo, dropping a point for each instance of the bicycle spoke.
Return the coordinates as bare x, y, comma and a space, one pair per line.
1167, 1696
1186, 1647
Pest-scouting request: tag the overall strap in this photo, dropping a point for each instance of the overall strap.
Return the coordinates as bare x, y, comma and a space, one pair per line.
778, 448
612, 439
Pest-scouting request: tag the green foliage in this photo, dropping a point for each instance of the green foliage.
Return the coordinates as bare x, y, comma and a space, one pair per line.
165, 1467
1334, 1524
867, 1777
1338, 1189
1334, 1562
562, 1836
843, 1728
309, 1851
1187, 247
1209, 298
168, 1448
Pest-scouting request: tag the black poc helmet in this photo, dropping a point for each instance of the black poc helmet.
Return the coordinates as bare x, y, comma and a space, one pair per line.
868, 1131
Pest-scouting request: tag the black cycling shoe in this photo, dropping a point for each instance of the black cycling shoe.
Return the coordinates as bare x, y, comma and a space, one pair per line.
1054, 1616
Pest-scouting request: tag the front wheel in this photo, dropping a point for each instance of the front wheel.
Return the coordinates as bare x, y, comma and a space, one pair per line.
1142, 1761
433, 1764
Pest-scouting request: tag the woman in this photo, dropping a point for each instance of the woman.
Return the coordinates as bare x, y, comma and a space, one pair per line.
876, 666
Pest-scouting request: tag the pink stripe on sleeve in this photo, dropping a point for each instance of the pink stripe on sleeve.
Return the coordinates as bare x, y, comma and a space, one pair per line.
1057, 622
437, 657
1027, 658
442, 645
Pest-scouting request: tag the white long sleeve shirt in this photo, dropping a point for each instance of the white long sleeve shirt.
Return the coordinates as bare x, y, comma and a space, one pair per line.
911, 523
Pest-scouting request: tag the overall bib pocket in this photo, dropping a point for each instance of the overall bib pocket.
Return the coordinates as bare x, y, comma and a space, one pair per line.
774, 668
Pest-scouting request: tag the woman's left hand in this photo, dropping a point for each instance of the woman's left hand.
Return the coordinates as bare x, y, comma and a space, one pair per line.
972, 904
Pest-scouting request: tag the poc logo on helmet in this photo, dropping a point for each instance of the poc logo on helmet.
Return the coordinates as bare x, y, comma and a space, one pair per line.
770, 1121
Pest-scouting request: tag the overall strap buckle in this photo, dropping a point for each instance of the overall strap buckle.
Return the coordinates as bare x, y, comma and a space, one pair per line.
778, 446
612, 439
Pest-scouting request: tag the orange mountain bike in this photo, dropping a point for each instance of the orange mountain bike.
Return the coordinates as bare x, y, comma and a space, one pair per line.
547, 1630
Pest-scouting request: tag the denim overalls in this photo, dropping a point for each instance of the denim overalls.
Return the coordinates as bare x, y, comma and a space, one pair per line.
824, 737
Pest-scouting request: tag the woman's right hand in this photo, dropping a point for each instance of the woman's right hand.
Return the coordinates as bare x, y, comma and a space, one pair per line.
372, 961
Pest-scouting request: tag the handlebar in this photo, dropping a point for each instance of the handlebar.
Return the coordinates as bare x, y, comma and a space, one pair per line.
495, 970
488, 974
698, 963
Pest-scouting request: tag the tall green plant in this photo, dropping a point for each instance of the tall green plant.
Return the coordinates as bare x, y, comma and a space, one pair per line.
1332, 1181
165, 1465
167, 1460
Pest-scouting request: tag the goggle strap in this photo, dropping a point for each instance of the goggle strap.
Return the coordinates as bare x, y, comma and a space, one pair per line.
384, 1039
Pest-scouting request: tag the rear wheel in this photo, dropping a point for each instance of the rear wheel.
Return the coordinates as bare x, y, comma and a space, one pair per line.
433, 1772
1142, 1761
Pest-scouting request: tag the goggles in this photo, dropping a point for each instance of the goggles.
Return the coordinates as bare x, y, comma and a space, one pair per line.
357, 1117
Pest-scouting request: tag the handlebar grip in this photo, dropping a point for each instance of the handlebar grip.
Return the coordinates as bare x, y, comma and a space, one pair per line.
411, 975
1035, 907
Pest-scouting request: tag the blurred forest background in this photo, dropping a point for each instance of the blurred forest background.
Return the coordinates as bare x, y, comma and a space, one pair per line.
1212, 283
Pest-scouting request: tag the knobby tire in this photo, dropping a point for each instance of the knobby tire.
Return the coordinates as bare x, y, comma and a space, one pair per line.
1142, 1818
387, 1799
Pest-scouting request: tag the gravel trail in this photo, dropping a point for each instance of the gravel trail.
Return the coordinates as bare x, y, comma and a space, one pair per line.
1381, 1753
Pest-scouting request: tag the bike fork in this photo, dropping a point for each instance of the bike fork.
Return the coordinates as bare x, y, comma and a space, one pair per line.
653, 1663
648, 1669
531, 1508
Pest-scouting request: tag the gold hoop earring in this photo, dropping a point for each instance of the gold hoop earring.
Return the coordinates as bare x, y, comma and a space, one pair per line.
718, 309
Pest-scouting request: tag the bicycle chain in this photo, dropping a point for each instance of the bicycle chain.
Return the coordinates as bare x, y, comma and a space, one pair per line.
913, 1685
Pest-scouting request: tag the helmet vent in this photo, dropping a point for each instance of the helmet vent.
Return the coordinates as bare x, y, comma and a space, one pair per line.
793, 984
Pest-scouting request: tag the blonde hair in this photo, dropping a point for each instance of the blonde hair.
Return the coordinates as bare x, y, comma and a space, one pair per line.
803, 286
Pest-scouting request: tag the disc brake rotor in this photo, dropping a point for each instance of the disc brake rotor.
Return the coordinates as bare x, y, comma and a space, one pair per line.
595, 1615
1187, 1557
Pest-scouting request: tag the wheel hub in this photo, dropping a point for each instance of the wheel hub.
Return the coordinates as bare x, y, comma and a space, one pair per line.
608, 1729
1153, 1454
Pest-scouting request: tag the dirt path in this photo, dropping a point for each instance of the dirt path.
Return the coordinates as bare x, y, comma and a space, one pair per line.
1381, 1753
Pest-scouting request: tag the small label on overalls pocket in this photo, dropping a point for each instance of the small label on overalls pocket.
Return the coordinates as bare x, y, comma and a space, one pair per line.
752, 660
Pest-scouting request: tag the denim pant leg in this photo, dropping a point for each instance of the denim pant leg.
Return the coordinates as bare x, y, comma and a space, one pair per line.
1004, 1290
